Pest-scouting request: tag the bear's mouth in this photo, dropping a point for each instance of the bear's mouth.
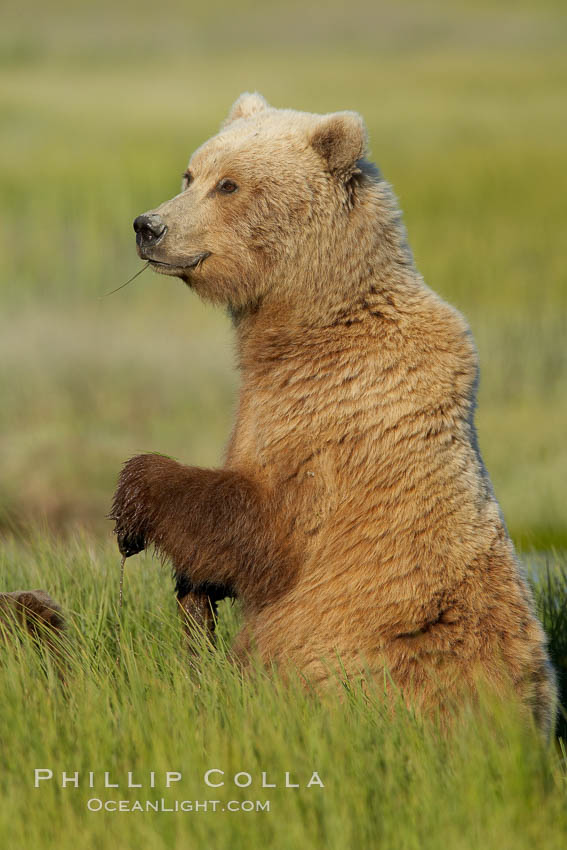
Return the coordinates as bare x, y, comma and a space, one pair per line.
180, 268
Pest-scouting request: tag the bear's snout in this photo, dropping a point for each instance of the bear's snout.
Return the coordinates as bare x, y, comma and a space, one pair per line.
150, 228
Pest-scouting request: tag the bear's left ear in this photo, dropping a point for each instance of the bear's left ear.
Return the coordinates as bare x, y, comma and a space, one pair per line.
340, 139
247, 105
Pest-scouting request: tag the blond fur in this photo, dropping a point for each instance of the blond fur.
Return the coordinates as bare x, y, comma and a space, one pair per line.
357, 517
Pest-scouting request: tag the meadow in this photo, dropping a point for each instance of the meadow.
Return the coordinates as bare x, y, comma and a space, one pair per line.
100, 109
389, 782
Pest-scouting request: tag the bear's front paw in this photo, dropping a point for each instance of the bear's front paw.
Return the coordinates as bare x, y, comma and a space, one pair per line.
131, 505
129, 544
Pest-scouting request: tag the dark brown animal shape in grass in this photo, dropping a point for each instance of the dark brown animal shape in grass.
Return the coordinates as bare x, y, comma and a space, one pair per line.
33, 611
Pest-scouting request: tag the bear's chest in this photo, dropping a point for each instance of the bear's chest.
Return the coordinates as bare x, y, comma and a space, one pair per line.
268, 434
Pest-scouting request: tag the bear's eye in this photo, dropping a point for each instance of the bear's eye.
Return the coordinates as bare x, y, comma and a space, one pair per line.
186, 179
227, 186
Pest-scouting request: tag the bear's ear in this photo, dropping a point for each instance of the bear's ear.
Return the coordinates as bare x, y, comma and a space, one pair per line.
340, 139
246, 106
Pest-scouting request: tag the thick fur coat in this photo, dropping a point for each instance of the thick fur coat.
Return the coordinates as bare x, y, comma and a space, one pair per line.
353, 516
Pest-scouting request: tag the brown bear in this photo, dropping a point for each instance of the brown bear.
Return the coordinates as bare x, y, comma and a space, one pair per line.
353, 518
33, 611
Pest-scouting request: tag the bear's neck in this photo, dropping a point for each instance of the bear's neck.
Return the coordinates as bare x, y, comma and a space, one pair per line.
376, 278
344, 263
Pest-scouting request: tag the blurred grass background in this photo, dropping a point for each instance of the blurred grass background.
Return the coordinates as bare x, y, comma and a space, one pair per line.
100, 107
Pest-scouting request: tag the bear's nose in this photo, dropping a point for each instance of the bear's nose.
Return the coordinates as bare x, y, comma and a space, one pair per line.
149, 227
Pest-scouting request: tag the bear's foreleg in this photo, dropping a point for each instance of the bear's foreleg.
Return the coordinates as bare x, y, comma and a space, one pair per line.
198, 610
217, 527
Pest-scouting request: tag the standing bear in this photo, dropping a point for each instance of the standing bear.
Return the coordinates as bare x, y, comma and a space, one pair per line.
353, 518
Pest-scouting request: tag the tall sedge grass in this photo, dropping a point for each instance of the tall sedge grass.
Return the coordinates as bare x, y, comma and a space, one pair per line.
389, 780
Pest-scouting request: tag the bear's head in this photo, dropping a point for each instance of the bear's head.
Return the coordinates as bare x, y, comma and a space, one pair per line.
277, 200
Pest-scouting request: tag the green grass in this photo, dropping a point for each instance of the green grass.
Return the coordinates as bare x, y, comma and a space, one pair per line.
100, 107
390, 782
